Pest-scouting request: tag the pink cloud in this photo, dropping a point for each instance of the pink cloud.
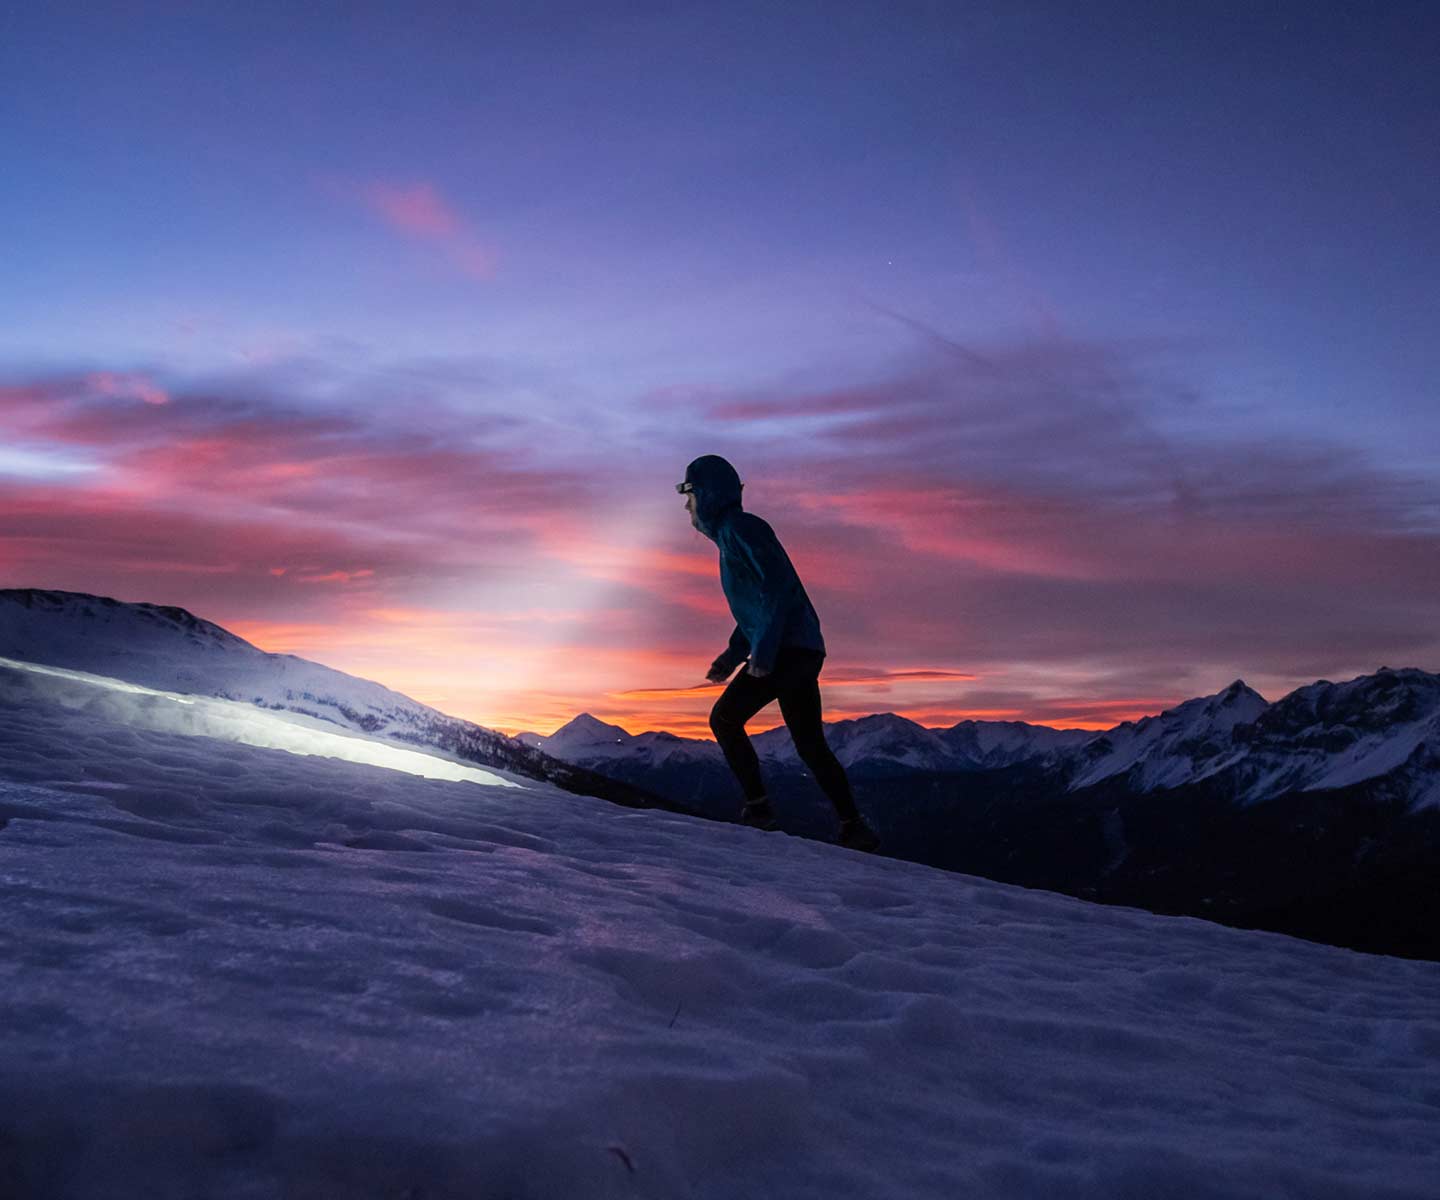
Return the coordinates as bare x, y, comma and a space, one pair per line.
122, 386
1059, 536
334, 576
418, 210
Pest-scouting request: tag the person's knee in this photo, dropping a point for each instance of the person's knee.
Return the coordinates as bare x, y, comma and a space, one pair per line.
722, 724
813, 750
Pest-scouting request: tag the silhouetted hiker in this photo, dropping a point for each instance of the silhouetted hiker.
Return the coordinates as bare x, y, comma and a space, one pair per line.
777, 630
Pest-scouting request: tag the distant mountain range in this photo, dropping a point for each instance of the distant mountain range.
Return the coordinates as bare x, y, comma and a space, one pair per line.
1317, 815
879, 741
1320, 737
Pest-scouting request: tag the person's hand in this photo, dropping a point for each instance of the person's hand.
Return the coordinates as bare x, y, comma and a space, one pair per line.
718, 672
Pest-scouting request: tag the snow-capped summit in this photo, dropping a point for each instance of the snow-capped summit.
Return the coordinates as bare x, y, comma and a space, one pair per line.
1330, 735
586, 731
1323, 735
888, 740
1180, 745
1370, 703
986, 745
586, 740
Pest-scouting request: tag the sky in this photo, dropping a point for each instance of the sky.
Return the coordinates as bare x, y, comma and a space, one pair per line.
1081, 355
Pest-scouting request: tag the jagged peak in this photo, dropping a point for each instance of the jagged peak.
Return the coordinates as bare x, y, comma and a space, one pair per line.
1237, 694
1413, 678
887, 720
590, 725
1238, 691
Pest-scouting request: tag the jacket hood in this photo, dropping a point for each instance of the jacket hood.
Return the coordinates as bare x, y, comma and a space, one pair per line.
717, 488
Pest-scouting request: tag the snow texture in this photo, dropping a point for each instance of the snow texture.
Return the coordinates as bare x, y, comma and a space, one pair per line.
234, 972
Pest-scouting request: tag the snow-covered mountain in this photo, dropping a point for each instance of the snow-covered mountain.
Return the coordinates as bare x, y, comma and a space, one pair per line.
233, 973
1321, 736
1325, 735
588, 741
1181, 745
990, 745
172, 650
1334, 735
175, 651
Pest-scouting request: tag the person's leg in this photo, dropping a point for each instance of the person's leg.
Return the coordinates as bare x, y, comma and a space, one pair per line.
799, 696
745, 696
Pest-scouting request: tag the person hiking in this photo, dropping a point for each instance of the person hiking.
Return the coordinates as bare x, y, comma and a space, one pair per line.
778, 632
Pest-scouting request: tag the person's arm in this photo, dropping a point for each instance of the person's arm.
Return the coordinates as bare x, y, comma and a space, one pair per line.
757, 542
734, 654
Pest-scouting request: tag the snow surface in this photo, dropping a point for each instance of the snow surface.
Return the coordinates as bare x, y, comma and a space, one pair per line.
230, 971
231, 720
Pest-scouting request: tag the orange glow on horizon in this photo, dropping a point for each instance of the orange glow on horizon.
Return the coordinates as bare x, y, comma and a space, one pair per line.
696, 725
414, 652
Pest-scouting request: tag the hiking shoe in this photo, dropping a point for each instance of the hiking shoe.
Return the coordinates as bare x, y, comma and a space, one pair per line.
758, 814
856, 835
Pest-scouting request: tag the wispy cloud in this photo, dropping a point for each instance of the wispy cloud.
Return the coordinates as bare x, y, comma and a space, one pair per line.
1051, 534
417, 210
849, 677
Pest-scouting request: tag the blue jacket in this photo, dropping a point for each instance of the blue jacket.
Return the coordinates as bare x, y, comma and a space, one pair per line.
765, 594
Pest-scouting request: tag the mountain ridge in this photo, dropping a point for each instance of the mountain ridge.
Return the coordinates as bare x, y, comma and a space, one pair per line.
1337, 731
171, 649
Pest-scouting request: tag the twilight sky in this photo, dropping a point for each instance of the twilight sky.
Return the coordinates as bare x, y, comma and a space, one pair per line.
1084, 356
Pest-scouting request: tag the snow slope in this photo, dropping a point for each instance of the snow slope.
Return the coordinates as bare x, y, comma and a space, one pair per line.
172, 651
228, 720
233, 972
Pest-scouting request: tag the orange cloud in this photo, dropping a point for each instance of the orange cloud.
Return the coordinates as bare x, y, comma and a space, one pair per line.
833, 678
334, 576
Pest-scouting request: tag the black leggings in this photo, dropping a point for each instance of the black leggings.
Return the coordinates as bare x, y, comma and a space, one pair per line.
795, 682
